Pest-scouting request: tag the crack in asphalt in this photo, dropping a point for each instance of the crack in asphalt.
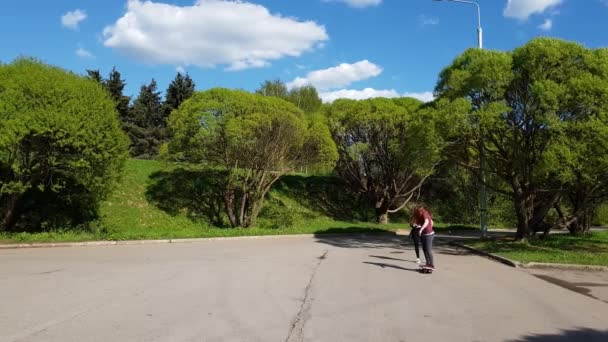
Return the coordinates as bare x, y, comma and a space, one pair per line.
296, 332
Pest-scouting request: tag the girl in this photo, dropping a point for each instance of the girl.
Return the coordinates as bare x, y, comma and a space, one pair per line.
422, 217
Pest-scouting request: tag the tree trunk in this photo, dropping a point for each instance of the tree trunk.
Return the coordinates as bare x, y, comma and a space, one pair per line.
10, 214
382, 211
229, 205
523, 209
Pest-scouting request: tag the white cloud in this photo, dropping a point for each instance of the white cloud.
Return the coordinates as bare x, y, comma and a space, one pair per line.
523, 9
73, 18
84, 53
211, 32
547, 25
339, 76
358, 3
180, 69
428, 21
369, 93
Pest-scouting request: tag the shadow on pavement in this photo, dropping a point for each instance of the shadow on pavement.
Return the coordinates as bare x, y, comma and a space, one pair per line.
576, 335
364, 241
389, 258
582, 288
398, 243
383, 265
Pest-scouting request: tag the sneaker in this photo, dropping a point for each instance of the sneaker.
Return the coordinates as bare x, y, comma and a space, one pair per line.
418, 261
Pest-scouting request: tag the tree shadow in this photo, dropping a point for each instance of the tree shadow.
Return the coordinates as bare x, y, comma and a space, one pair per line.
364, 238
74, 207
581, 288
328, 195
572, 335
194, 193
379, 239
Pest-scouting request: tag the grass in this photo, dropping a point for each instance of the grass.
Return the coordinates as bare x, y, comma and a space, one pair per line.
591, 249
160, 201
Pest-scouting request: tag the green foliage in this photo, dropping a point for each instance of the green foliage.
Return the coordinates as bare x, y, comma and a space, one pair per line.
601, 216
138, 208
145, 123
274, 88
389, 147
539, 119
61, 146
180, 89
306, 98
95, 75
255, 139
115, 85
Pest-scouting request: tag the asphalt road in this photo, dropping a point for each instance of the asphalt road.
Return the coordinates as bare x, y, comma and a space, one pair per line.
283, 289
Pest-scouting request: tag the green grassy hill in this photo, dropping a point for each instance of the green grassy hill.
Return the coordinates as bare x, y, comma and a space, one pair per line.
156, 200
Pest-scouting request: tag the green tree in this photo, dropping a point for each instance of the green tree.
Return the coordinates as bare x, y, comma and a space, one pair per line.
115, 85
95, 75
274, 88
60, 139
389, 147
147, 107
180, 89
254, 139
306, 98
526, 107
145, 122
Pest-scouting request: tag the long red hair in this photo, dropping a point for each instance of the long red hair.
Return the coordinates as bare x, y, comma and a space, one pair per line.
418, 215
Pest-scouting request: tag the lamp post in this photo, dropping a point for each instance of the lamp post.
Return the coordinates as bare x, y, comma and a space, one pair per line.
482, 189
479, 29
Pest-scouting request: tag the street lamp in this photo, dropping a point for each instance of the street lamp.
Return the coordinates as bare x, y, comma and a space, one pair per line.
479, 29
482, 190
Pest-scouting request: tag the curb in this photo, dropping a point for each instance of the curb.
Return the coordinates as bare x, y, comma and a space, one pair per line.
532, 265
500, 259
192, 240
571, 267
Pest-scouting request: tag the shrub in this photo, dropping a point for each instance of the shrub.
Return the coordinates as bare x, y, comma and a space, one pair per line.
61, 146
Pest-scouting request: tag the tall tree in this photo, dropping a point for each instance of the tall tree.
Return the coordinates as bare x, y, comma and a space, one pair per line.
389, 147
145, 122
274, 88
146, 111
306, 98
180, 89
95, 75
528, 108
115, 85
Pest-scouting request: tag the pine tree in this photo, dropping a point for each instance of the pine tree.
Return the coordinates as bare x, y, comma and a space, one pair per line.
115, 86
180, 89
95, 75
146, 121
146, 110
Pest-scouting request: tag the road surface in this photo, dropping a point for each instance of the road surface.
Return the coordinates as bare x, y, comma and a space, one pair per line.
282, 289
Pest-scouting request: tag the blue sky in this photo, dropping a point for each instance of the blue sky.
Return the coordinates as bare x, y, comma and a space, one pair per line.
346, 48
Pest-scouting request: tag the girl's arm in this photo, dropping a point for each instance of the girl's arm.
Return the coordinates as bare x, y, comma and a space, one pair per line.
426, 224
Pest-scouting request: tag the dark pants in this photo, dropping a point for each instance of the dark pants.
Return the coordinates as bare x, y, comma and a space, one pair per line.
416, 237
427, 248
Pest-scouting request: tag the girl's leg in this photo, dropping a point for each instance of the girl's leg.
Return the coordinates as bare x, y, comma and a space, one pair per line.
427, 247
416, 239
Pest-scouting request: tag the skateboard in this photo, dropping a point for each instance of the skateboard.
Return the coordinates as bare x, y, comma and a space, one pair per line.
426, 270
